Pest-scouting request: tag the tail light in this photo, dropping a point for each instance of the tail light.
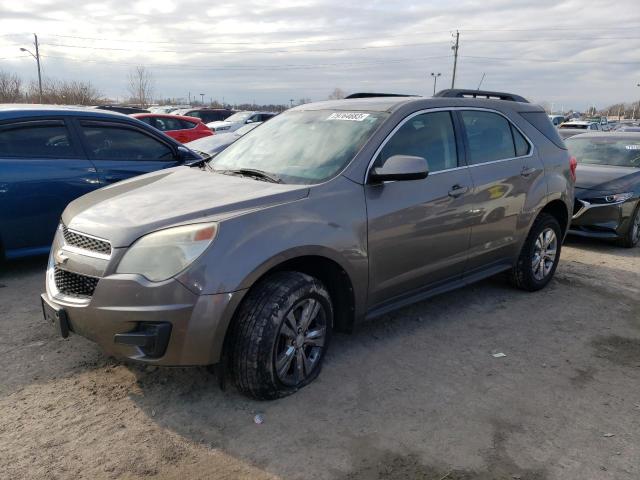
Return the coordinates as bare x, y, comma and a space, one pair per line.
573, 164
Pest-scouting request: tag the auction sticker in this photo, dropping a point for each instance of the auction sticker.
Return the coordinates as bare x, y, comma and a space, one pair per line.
350, 116
633, 147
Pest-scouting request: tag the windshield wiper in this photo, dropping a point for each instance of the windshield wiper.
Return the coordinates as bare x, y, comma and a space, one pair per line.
202, 162
251, 172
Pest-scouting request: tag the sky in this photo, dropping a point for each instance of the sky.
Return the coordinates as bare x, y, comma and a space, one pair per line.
569, 53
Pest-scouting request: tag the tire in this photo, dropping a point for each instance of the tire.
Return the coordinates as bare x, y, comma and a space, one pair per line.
273, 353
632, 237
528, 273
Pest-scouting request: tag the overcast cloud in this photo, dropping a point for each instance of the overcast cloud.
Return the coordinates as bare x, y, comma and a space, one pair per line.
573, 53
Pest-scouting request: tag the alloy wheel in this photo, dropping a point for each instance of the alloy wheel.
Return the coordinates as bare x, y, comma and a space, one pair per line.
544, 253
301, 341
635, 232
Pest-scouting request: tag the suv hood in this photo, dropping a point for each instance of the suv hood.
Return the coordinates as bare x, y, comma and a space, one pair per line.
123, 212
607, 178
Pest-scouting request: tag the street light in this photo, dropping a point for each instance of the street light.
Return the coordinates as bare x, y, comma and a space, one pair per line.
435, 80
37, 57
202, 98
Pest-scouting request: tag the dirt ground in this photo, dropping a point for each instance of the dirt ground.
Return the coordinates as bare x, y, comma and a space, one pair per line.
414, 395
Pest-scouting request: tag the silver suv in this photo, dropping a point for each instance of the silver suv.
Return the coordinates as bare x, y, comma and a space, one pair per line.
329, 214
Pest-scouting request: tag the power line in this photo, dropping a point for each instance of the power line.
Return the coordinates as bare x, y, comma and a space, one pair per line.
543, 60
219, 67
370, 47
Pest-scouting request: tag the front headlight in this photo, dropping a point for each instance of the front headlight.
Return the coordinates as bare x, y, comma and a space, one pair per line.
613, 198
160, 255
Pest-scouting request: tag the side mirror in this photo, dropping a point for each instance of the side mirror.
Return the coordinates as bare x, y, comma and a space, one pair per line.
400, 167
184, 155
249, 121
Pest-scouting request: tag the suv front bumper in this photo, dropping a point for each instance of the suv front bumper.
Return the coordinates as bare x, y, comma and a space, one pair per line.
187, 329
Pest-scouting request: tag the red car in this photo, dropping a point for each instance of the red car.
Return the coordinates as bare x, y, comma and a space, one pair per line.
183, 129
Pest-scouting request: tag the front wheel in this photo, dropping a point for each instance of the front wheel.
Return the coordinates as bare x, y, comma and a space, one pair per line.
539, 255
280, 335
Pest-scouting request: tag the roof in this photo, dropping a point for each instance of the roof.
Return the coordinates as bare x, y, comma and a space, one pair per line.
390, 104
18, 110
579, 122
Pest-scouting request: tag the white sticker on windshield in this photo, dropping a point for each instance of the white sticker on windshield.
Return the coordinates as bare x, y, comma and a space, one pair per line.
351, 116
633, 147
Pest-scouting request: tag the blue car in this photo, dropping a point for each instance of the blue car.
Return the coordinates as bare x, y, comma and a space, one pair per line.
51, 155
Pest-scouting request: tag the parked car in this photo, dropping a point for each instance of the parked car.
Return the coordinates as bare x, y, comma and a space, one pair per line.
51, 155
214, 144
122, 109
557, 119
182, 129
239, 119
580, 125
569, 132
607, 186
207, 115
329, 214
626, 129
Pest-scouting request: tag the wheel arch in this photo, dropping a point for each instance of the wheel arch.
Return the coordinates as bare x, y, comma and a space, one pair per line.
558, 209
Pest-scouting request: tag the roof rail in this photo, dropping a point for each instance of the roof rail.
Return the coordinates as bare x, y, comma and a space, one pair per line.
372, 95
462, 93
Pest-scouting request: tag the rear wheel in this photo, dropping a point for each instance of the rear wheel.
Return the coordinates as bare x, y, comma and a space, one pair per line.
632, 237
280, 335
539, 255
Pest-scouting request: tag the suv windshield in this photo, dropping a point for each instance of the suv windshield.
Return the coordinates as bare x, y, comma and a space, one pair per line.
302, 146
619, 152
238, 117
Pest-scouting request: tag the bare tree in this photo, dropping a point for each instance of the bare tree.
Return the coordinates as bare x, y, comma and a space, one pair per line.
10, 87
141, 86
65, 92
337, 94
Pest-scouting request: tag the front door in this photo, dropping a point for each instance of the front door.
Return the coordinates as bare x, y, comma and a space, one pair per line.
418, 230
120, 151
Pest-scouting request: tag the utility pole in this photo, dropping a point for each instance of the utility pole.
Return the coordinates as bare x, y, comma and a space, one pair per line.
455, 59
202, 99
37, 57
291, 103
435, 80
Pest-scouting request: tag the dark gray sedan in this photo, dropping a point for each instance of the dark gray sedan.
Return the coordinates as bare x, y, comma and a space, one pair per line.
607, 186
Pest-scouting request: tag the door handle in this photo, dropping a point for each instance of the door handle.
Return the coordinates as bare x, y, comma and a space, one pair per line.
458, 190
526, 171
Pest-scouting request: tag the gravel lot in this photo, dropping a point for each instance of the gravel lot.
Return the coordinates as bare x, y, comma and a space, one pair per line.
416, 394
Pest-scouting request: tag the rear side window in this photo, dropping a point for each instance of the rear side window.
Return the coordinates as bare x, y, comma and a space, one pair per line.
541, 122
167, 124
36, 140
429, 135
114, 142
489, 136
521, 144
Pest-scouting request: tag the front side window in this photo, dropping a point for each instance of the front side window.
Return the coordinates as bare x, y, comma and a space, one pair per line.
110, 142
304, 147
428, 135
36, 140
489, 136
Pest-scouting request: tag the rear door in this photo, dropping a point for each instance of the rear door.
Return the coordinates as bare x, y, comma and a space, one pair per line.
418, 231
42, 169
505, 170
120, 151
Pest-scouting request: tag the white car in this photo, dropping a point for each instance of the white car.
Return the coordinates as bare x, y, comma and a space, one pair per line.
581, 125
239, 119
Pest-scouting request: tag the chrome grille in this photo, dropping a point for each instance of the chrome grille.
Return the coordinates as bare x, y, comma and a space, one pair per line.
74, 284
85, 242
